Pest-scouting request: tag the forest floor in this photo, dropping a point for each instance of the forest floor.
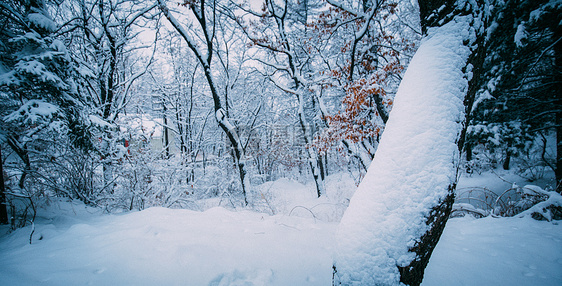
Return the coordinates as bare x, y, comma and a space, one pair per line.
76, 245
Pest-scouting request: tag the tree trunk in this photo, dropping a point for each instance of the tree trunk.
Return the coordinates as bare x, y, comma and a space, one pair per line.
559, 152
468, 150
558, 130
314, 162
393, 222
21, 151
166, 132
3, 203
507, 160
412, 274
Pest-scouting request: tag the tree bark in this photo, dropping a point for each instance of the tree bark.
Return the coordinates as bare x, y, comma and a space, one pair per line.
3, 203
413, 273
558, 172
558, 130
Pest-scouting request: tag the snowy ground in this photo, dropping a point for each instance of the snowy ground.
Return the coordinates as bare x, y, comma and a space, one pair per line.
497, 251
75, 245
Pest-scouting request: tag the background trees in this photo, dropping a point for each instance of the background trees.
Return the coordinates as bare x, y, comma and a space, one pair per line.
290, 66
103, 36
520, 89
367, 74
205, 17
38, 88
299, 89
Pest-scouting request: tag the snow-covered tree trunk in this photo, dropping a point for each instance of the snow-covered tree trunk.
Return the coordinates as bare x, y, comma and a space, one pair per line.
399, 211
307, 128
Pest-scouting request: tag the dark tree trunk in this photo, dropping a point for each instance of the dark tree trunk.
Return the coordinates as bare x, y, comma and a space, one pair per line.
3, 203
468, 150
558, 171
429, 15
558, 89
413, 273
507, 161
380, 109
166, 132
22, 152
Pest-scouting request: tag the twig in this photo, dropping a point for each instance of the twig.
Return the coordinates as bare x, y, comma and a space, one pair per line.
501, 178
313, 215
32, 231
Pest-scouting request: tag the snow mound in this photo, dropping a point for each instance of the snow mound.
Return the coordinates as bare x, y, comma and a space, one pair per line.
413, 166
160, 246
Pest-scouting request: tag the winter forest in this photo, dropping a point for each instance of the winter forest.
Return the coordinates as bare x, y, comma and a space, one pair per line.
280, 142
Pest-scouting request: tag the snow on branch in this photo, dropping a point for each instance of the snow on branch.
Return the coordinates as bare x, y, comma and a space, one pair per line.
33, 112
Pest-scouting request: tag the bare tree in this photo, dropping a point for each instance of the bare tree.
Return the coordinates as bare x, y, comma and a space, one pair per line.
101, 35
291, 61
205, 15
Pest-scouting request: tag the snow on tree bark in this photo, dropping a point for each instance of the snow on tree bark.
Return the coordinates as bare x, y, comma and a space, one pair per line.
400, 209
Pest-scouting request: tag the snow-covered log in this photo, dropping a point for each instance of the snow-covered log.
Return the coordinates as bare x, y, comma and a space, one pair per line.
399, 210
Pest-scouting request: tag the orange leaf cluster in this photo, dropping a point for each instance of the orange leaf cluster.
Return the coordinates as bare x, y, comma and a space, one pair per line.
357, 120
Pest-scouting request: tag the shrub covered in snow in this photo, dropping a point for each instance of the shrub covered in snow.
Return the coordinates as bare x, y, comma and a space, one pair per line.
529, 200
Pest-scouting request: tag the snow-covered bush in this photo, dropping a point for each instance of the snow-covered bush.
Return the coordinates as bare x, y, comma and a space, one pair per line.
55, 169
540, 204
516, 201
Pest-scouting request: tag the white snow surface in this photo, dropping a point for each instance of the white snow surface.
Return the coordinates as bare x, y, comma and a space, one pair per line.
76, 245
497, 251
520, 35
42, 21
161, 246
413, 167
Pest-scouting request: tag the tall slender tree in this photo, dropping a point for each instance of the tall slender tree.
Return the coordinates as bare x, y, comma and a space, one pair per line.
205, 15
279, 33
